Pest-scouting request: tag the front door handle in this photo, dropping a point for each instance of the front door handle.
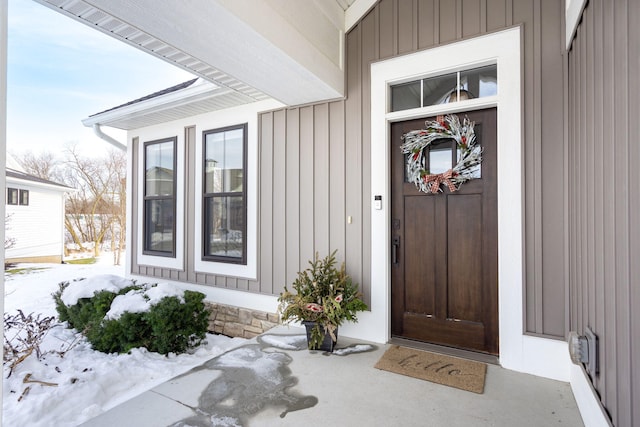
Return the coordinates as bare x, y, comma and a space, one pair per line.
395, 245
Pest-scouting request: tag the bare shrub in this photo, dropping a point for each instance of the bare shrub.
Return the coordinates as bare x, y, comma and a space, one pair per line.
23, 335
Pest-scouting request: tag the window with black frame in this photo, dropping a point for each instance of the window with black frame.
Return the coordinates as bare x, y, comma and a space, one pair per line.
12, 196
24, 197
224, 194
160, 197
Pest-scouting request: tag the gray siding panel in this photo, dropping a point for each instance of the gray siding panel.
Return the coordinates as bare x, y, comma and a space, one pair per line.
266, 202
337, 181
634, 205
552, 156
448, 21
292, 195
497, 18
472, 17
426, 31
605, 197
407, 27
190, 197
133, 176
387, 31
355, 121
279, 207
321, 178
622, 214
307, 172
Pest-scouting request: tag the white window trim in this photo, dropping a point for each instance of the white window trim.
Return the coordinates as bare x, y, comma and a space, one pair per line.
232, 117
177, 262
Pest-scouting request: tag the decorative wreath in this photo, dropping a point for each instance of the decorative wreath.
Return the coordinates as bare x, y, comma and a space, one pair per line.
448, 127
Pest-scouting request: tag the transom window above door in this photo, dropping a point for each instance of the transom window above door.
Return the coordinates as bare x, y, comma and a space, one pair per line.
477, 82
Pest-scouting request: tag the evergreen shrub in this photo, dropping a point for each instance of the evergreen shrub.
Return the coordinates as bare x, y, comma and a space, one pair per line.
173, 325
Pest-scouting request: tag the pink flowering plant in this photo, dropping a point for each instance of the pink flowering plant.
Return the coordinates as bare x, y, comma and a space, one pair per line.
322, 294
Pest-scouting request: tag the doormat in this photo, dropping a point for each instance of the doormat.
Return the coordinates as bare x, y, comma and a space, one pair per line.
452, 371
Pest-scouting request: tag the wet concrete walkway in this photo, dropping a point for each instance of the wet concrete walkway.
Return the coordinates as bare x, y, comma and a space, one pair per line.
275, 381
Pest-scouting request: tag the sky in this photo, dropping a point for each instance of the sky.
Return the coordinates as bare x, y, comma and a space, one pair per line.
61, 71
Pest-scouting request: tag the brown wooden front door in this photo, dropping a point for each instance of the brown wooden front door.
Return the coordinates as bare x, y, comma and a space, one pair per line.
444, 269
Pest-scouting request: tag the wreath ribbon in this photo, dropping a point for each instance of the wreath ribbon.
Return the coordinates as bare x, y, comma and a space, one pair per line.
434, 181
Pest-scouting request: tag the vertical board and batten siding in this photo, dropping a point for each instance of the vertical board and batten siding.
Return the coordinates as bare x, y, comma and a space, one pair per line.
393, 28
604, 197
303, 174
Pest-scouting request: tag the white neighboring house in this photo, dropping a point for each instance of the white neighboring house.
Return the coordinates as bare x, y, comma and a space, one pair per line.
35, 216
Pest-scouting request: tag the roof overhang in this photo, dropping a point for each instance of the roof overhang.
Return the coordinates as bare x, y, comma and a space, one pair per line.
291, 51
21, 178
199, 98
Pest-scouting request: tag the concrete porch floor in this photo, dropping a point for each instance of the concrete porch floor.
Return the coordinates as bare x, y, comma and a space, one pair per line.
297, 387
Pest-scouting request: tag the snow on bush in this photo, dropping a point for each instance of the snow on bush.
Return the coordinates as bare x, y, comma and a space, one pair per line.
141, 300
86, 288
117, 314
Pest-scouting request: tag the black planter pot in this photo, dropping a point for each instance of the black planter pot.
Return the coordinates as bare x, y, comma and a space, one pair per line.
327, 343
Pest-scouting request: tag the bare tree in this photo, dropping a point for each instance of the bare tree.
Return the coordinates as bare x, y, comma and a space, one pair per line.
9, 242
116, 196
95, 212
45, 165
96, 209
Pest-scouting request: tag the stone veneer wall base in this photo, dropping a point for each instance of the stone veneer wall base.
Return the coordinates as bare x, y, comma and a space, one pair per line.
239, 322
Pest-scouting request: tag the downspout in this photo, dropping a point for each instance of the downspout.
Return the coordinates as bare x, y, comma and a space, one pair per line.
105, 137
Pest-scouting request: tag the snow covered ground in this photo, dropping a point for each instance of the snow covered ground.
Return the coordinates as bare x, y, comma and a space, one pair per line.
84, 382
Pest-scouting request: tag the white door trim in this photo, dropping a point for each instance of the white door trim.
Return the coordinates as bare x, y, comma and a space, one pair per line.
517, 351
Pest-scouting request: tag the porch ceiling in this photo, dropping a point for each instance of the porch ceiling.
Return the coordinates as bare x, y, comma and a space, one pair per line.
291, 51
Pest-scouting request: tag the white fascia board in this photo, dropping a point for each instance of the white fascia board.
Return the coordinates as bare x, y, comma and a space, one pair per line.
195, 92
40, 185
356, 11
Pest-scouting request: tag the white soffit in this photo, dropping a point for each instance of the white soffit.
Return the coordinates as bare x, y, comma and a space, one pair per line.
291, 51
198, 98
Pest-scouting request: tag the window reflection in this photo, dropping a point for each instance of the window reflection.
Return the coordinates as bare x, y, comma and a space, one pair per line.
224, 220
440, 160
224, 162
159, 197
477, 82
159, 169
226, 224
405, 96
159, 225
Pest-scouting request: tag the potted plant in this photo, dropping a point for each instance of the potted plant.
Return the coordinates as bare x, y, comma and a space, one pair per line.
323, 297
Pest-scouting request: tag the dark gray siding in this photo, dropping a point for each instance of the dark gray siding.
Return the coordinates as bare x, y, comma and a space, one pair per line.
604, 197
315, 160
